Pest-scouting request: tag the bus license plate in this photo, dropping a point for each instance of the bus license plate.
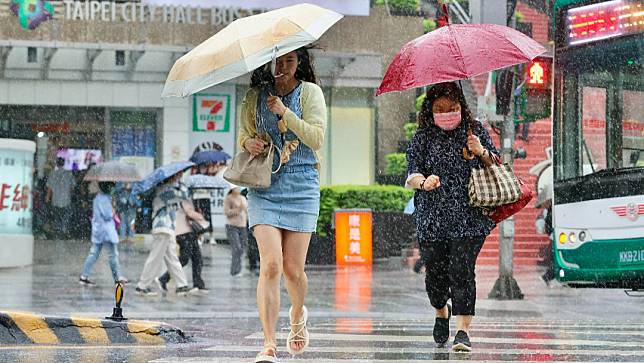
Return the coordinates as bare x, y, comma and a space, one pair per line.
631, 256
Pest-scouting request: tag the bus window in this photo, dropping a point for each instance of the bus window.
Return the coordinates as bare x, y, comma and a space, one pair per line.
593, 140
633, 128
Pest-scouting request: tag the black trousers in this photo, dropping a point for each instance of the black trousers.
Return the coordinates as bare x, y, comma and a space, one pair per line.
450, 272
189, 250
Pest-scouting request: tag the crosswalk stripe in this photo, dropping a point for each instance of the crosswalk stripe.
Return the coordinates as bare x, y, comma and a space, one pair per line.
627, 333
424, 338
454, 356
412, 350
497, 325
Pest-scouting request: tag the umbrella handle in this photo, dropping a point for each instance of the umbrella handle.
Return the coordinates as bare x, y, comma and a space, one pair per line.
468, 155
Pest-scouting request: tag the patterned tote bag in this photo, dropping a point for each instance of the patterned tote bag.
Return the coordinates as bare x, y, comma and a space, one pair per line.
493, 186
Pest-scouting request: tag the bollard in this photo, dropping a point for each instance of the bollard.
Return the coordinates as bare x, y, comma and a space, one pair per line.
117, 313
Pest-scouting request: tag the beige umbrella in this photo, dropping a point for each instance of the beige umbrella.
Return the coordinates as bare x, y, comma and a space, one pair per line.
246, 44
113, 171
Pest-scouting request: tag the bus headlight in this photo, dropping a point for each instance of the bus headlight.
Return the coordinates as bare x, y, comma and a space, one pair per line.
572, 237
562, 238
582, 236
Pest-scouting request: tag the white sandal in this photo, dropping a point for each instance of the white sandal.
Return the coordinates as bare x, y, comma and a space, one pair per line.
301, 335
267, 358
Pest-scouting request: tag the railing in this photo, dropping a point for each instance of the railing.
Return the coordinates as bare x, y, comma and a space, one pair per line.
461, 14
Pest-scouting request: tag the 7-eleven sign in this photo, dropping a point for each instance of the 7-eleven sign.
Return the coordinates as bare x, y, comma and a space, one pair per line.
211, 112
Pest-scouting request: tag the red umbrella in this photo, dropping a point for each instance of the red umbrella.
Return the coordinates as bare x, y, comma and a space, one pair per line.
455, 52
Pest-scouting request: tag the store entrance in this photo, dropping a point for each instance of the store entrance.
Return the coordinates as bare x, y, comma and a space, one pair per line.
75, 134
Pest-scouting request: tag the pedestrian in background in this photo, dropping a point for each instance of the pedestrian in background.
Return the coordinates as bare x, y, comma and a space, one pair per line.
126, 210
288, 108
60, 185
167, 200
253, 250
236, 211
450, 231
189, 249
103, 235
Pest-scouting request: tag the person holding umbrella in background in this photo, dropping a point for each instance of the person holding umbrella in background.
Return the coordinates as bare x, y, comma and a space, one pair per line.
210, 159
168, 196
103, 217
187, 238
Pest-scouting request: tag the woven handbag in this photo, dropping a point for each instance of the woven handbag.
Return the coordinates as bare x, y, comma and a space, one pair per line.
251, 171
493, 186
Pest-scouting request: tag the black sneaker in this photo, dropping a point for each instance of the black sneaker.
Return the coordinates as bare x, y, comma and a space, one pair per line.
162, 285
462, 342
85, 281
441, 328
145, 292
182, 291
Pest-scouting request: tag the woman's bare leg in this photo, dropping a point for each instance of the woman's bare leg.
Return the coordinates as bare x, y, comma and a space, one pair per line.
269, 241
295, 247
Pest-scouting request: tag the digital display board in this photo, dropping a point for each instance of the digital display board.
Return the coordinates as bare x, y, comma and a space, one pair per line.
604, 20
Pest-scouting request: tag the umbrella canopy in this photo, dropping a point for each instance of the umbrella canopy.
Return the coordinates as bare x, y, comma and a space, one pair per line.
200, 181
246, 44
209, 157
113, 171
456, 52
159, 175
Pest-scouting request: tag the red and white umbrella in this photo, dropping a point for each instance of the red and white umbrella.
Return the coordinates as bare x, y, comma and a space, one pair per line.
455, 52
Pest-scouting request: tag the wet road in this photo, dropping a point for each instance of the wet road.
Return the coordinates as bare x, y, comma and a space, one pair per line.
355, 315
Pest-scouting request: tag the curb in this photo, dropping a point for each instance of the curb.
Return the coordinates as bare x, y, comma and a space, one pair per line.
24, 328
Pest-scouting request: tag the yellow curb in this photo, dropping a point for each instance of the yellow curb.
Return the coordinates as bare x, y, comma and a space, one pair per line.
146, 332
40, 329
34, 327
91, 330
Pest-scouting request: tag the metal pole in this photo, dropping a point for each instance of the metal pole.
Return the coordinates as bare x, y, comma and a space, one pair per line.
506, 287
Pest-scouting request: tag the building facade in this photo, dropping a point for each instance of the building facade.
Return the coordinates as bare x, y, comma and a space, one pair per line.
84, 78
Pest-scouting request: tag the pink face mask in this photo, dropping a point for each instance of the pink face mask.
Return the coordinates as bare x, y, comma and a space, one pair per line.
448, 120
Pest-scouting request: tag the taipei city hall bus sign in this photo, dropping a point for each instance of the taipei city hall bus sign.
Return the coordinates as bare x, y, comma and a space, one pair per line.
32, 13
130, 12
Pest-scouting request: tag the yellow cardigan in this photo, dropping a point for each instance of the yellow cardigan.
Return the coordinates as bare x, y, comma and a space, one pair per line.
309, 129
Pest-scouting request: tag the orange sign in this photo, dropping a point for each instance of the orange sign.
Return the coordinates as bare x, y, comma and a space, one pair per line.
353, 237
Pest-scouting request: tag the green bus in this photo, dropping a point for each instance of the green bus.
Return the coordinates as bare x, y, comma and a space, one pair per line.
598, 143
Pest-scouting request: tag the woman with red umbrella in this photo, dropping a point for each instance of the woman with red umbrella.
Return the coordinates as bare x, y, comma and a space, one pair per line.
448, 144
450, 231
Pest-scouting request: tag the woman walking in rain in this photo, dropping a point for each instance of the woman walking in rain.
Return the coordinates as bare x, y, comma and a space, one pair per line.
167, 200
103, 235
450, 231
289, 108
